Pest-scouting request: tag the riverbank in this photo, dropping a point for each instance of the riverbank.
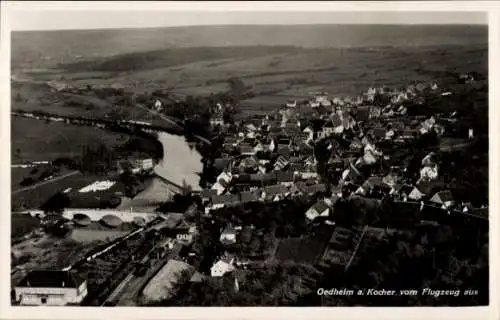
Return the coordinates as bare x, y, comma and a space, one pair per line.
181, 164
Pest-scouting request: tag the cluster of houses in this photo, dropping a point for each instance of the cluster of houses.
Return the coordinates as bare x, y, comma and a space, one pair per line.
272, 157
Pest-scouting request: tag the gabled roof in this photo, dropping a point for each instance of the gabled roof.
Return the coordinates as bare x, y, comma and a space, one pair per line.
442, 197
269, 177
227, 258
246, 234
225, 199
246, 148
379, 132
51, 279
299, 167
207, 193
249, 162
362, 114
408, 132
295, 160
320, 206
248, 196
403, 188
375, 182
284, 151
223, 182
300, 186
222, 163
281, 162
229, 230
230, 140
425, 187
335, 159
336, 120
398, 125
275, 190
315, 188
284, 176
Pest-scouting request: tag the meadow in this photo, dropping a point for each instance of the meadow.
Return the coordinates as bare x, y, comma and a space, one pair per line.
276, 63
36, 197
36, 140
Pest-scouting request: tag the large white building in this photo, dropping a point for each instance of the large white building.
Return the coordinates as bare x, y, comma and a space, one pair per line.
52, 288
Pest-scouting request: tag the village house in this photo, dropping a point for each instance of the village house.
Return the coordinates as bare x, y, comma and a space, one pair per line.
407, 134
327, 130
221, 201
291, 103
246, 149
185, 233
285, 178
280, 163
310, 132
228, 235
216, 121
275, 193
259, 147
223, 181
351, 174
206, 194
443, 198
401, 191
421, 190
51, 287
249, 196
335, 162
284, 150
356, 144
249, 164
319, 209
379, 133
306, 172
390, 179
374, 187
314, 189
245, 235
230, 140
223, 266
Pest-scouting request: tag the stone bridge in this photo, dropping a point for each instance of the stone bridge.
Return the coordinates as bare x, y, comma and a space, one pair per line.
97, 214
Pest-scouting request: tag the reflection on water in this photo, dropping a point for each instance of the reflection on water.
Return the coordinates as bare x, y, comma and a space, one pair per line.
180, 163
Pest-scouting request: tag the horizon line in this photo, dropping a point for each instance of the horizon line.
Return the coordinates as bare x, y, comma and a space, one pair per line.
475, 24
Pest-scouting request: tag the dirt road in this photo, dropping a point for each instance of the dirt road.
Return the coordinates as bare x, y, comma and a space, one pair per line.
72, 173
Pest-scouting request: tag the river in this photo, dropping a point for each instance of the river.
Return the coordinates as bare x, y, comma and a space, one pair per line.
181, 164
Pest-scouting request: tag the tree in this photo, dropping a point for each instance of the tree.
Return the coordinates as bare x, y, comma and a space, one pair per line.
186, 188
131, 182
56, 204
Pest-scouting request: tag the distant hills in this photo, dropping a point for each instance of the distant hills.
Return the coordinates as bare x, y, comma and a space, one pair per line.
50, 48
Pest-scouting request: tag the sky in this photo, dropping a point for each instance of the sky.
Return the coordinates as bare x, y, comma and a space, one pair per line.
61, 19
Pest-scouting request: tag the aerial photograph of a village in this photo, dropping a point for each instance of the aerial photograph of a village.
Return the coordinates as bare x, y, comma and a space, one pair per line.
249, 159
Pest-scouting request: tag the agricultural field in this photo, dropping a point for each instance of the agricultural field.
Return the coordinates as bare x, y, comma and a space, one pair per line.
34, 198
189, 61
85, 235
36, 140
17, 175
22, 224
